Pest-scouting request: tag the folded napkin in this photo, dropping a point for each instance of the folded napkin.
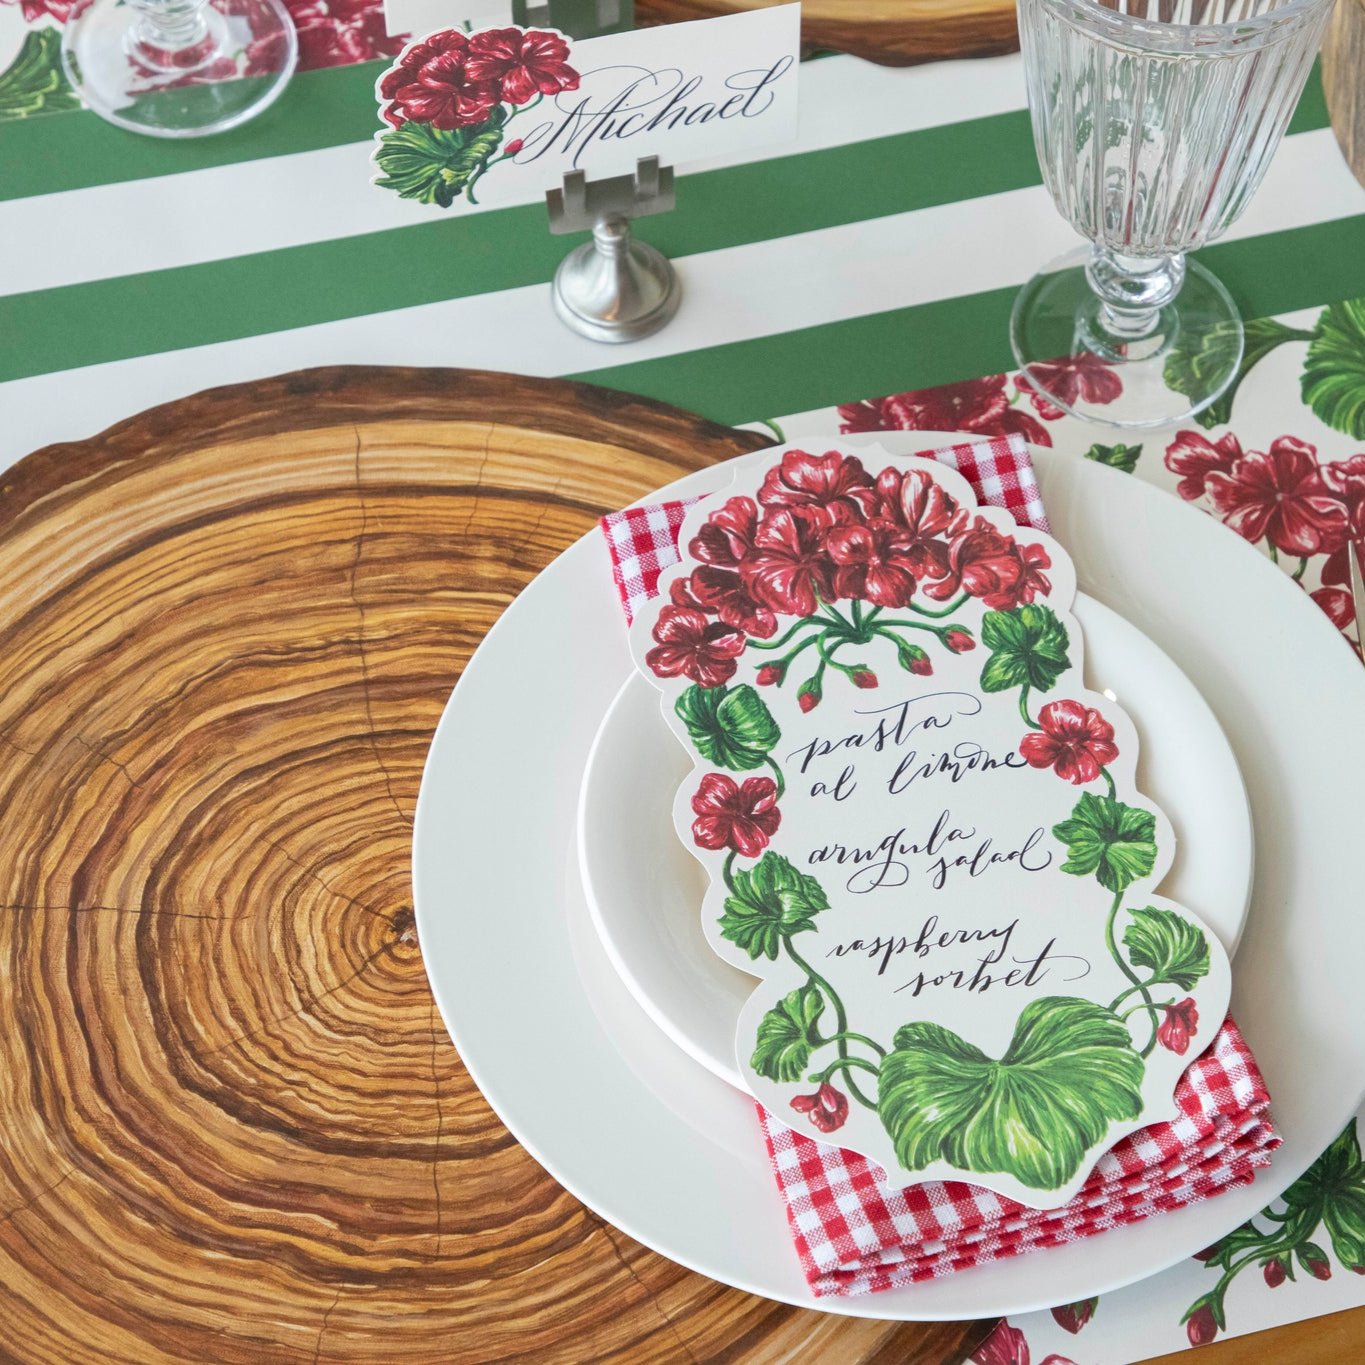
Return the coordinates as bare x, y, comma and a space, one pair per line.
856, 1235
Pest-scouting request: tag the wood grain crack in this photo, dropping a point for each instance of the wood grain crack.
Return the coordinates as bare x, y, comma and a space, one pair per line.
670, 1326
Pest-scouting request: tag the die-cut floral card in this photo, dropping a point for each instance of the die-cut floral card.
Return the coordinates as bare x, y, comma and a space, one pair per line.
922, 830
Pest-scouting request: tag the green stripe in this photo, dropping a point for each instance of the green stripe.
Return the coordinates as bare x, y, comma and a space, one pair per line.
326, 108
938, 343
74, 151
457, 256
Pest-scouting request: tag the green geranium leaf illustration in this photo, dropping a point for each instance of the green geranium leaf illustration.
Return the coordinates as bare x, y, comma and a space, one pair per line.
33, 83
1116, 457
434, 165
787, 1034
1028, 648
1334, 373
1207, 351
1332, 1191
1168, 945
771, 901
731, 727
1115, 842
1069, 1073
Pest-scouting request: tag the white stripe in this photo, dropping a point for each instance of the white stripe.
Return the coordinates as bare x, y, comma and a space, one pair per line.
731, 295
177, 220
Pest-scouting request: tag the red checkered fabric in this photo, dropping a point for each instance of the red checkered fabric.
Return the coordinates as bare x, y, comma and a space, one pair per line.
856, 1235
644, 540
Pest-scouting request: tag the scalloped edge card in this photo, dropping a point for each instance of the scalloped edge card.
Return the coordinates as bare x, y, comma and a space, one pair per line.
922, 831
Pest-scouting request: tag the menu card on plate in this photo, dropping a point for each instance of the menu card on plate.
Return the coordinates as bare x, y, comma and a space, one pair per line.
922, 830
524, 106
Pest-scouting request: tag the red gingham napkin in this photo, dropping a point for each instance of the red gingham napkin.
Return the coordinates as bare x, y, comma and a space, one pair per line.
855, 1235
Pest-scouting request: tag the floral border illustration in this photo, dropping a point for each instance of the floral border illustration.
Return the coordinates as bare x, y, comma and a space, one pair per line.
828, 544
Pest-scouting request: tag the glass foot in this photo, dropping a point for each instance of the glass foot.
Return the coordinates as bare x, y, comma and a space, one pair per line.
1069, 357
179, 68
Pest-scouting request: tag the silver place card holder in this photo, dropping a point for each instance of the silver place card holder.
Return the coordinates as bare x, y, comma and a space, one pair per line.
613, 288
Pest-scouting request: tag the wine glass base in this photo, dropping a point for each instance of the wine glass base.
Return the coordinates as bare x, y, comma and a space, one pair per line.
1197, 343
237, 64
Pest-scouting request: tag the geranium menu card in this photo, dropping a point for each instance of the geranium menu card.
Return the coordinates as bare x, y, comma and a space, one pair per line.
504, 113
922, 829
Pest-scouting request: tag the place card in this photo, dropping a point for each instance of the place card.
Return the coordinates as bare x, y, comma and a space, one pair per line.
922, 829
502, 114
402, 17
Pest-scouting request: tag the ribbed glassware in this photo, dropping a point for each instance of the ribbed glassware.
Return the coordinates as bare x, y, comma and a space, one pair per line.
1154, 122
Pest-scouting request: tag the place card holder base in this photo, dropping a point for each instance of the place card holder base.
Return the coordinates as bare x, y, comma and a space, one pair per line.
613, 288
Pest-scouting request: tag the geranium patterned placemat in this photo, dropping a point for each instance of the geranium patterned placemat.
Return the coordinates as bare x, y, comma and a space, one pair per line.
1281, 461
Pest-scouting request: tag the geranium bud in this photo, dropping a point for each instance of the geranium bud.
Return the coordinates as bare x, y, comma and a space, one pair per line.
1073, 1316
514, 146
1273, 1270
959, 641
1319, 1270
1202, 1327
827, 1108
863, 677
914, 659
808, 697
771, 674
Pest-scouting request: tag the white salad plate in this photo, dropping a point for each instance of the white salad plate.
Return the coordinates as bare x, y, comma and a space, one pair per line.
670, 1153
644, 888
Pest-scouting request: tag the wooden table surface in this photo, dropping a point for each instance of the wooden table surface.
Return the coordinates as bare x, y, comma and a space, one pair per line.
235, 1129
890, 32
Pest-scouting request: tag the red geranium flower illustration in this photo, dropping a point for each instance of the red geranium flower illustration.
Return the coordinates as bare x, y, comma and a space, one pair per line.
991, 566
1194, 458
925, 511
523, 64
1281, 496
836, 482
1076, 741
789, 570
871, 564
1337, 603
958, 641
1075, 376
431, 84
976, 405
827, 1108
722, 592
702, 650
1008, 1346
1273, 1270
1346, 480
60, 10
728, 534
728, 815
1073, 1316
1179, 1026
337, 33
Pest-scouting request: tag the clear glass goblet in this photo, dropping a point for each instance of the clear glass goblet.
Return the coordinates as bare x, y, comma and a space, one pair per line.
1154, 122
179, 68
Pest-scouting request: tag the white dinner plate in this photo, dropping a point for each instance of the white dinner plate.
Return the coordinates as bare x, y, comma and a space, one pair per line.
644, 888
671, 1154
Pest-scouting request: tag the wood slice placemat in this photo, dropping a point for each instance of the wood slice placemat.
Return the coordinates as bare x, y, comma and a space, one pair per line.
891, 32
234, 1128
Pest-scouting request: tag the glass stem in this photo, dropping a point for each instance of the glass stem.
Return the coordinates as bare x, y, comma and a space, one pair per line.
1132, 291
167, 31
